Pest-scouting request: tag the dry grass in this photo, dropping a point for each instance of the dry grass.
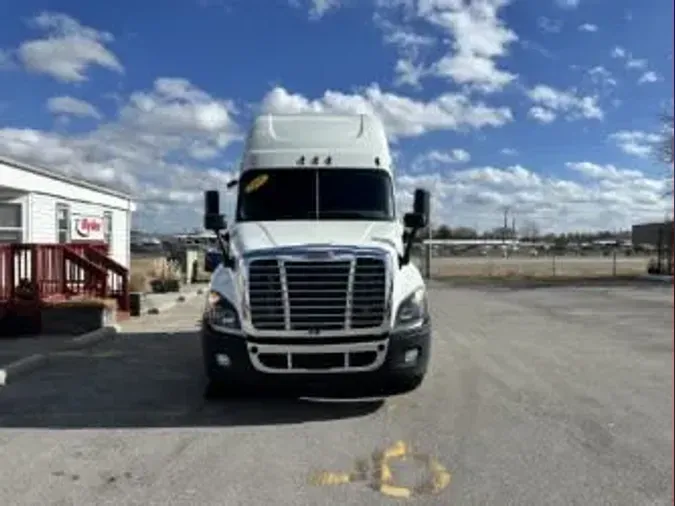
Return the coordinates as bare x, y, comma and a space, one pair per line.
165, 270
143, 264
143, 270
562, 267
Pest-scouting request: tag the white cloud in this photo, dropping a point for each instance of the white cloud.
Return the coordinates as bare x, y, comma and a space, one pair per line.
479, 72
409, 45
408, 72
648, 77
634, 63
477, 38
509, 152
68, 49
600, 75
607, 198
549, 25
607, 172
66, 105
588, 27
437, 159
618, 52
567, 4
402, 116
317, 9
550, 101
634, 142
541, 114
404, 38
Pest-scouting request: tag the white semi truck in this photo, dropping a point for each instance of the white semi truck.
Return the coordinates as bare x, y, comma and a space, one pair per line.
315, 290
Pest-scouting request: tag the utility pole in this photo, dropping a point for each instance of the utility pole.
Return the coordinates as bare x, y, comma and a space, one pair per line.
506, 224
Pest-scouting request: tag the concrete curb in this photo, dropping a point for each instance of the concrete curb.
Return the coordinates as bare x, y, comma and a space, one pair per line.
91, 338
28, 364
184, 297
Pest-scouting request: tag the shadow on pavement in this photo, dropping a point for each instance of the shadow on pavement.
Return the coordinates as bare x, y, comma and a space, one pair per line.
146, 380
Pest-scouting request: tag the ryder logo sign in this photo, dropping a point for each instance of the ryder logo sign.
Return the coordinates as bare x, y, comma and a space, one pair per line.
87, 228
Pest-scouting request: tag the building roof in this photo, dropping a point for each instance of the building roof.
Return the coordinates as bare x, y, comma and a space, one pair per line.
60, 176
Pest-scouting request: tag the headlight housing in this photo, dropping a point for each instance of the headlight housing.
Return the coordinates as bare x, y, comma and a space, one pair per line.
220, 314
413, 310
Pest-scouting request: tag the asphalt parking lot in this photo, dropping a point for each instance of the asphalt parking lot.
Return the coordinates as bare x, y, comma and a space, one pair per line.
547, 396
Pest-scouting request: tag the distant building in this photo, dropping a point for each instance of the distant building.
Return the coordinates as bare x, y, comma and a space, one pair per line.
658, 234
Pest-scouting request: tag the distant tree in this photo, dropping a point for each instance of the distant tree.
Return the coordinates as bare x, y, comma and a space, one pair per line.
443, 232
464, 233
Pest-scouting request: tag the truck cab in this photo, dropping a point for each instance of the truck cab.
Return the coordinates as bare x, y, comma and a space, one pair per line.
315, 290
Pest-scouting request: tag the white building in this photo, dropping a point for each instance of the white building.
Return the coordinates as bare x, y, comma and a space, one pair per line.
41, 206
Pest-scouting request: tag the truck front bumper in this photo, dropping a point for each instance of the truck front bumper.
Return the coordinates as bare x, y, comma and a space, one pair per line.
372, 366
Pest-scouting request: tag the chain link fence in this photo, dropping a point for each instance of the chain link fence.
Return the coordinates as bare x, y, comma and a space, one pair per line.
523, 265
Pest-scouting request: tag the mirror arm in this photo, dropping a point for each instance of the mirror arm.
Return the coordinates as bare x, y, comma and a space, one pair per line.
409, 237
223, 245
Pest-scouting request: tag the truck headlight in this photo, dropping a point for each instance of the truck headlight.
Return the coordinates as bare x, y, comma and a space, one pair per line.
413, 309
220, 314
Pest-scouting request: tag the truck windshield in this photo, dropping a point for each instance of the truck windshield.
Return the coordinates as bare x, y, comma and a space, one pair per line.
315, 194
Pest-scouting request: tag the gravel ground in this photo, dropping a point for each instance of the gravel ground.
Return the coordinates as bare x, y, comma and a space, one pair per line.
548, 396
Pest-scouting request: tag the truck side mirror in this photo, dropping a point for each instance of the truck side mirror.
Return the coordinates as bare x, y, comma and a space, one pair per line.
414, 221
213, 220
422, 206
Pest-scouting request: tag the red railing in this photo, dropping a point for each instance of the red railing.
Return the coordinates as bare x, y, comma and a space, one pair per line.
117, 276
49, 271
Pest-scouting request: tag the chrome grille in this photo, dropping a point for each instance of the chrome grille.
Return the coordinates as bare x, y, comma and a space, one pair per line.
266, 295
322, 295
368, 293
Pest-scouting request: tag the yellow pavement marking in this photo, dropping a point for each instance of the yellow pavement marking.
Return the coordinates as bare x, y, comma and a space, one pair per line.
378, 473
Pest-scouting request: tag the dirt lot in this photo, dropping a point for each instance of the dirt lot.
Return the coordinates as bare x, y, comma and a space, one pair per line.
562, 266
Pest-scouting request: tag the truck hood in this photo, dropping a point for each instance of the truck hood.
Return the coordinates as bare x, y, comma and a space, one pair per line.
270, 234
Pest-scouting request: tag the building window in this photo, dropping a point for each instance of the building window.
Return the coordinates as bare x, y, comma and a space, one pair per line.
11, 222
108, 228
63, 223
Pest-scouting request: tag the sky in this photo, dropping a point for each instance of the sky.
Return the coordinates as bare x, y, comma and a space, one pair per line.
547, 108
